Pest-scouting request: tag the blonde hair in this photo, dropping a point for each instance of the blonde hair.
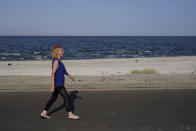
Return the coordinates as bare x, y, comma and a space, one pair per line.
55, 50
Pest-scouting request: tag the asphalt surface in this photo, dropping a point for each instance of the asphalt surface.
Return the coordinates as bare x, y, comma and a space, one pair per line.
133, 110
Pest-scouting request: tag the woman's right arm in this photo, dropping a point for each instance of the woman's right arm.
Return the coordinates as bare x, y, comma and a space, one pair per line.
55, 66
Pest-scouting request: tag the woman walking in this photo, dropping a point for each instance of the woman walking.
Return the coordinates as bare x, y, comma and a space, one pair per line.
58, 72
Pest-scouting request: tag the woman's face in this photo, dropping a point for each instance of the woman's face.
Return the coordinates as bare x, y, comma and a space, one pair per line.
60, 52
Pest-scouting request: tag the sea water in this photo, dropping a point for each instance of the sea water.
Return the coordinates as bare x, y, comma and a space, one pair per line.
24, 48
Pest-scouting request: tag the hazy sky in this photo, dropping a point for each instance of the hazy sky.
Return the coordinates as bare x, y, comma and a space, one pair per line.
98, 17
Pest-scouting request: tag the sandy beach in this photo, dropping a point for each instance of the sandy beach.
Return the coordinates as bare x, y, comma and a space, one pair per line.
105, 74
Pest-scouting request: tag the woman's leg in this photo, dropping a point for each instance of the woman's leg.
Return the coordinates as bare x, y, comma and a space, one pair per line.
52, 99
66, 99
49, 104
67, 103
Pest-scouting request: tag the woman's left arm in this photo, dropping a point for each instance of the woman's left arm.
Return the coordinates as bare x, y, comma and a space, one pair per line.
70, 76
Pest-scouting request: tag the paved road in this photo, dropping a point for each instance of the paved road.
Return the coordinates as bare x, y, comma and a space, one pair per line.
133, 110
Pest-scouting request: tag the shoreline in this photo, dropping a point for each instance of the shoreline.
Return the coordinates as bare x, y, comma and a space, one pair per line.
102, 74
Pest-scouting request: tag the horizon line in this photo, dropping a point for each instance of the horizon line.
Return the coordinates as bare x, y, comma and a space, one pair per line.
100, 35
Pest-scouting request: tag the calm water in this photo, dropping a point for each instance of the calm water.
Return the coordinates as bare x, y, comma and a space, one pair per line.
89, 47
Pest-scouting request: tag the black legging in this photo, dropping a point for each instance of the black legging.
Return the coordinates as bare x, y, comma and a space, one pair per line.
54, 96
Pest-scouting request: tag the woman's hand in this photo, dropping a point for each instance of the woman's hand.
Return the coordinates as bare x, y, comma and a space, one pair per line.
73, 79
70, 76
52, 89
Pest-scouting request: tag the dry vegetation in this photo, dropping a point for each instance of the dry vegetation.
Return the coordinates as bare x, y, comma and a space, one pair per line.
144, 71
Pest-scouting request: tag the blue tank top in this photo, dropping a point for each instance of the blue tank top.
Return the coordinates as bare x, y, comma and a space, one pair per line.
59, 77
